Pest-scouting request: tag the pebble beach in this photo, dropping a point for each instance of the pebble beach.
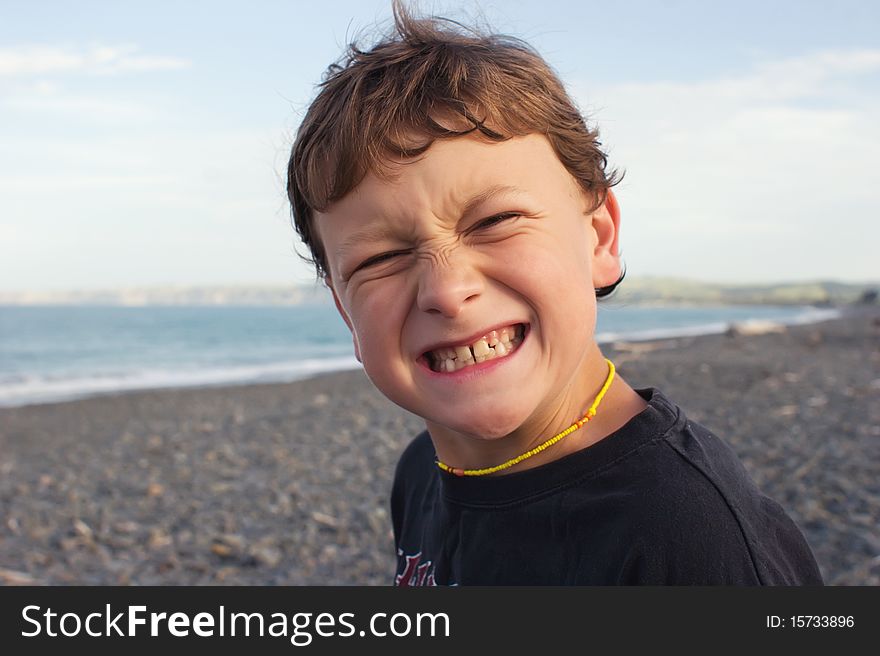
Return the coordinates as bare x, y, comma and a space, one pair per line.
289, 484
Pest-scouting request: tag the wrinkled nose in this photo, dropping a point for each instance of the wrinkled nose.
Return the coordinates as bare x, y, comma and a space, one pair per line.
446, 288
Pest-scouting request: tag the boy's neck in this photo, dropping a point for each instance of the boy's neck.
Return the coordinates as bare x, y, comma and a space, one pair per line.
619, 405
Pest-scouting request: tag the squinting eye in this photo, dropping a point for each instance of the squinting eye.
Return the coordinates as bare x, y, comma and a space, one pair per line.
378, 259
495, 220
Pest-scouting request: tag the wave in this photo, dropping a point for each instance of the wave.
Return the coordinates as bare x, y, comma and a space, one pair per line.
27, 390
808, 316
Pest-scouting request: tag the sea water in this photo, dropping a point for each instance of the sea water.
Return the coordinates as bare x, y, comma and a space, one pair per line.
65, 352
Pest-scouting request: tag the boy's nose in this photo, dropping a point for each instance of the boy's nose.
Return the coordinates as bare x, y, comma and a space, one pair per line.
446, 288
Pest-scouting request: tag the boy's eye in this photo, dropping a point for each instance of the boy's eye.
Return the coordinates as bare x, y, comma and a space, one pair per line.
378, 259
495, 220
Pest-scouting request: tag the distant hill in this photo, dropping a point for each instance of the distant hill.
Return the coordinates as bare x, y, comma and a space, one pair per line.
666, 291
636, 291
189, 296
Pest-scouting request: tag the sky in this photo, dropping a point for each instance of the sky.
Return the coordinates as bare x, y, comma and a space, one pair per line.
145, 144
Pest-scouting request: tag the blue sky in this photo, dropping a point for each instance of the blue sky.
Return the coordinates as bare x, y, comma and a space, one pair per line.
145, 144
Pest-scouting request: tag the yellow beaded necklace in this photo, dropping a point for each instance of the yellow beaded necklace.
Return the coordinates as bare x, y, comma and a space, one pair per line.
553, 440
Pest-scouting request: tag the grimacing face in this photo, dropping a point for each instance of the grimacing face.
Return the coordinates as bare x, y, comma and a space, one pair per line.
467, 280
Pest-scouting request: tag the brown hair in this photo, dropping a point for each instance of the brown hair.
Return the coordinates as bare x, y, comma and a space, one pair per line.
432, 78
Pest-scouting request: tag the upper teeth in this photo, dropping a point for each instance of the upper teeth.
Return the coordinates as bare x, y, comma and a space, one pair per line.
492, 345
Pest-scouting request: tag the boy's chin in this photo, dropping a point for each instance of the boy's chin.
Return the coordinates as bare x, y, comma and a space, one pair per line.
488, 428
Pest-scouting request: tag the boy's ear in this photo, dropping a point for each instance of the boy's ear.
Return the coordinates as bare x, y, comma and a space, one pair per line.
342, 313
606, 258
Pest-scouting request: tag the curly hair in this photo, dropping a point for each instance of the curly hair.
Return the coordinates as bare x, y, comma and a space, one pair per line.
431, 78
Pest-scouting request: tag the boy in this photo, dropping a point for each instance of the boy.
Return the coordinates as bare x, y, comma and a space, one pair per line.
459, 209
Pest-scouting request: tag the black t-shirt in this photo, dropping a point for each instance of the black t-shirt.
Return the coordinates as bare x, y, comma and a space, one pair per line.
661, 501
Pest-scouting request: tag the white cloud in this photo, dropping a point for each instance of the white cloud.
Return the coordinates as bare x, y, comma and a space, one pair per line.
765, 175
30, 60
56, 101
79, 184
36, 79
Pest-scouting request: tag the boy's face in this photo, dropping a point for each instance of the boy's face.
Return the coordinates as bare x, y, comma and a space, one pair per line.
472, 238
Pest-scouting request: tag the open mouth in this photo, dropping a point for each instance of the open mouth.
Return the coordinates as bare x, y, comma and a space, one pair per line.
491, 346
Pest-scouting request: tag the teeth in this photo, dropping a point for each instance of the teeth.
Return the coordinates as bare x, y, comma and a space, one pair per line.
496, 344
481, 348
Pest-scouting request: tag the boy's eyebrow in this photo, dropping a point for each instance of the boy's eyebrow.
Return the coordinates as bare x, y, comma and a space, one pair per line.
376, 232
487, 194
380, 231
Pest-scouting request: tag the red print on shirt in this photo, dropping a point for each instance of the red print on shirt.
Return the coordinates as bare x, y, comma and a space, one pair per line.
415, 573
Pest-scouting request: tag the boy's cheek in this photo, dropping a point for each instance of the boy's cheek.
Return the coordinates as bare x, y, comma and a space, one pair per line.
346, 317
357, 347
340, 307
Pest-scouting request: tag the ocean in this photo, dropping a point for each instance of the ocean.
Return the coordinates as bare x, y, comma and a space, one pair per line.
65, 352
